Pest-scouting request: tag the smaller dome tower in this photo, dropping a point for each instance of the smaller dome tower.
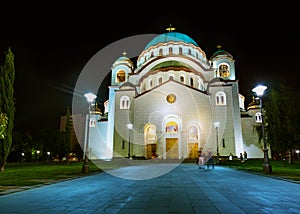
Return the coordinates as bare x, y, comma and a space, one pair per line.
223, 62
121, 69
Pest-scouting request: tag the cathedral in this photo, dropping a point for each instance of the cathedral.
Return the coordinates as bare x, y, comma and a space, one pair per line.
173, 101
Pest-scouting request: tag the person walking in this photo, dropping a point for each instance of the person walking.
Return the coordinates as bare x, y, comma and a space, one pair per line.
201, 161
241, 157
210, 161
245, 156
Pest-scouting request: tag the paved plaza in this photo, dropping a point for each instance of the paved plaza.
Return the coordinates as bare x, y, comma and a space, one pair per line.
185, 189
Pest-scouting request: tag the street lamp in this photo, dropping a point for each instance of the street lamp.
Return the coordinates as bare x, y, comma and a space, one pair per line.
217, 124
37, 155
297, 151
259, 90
86, 168
129, 127
48, 155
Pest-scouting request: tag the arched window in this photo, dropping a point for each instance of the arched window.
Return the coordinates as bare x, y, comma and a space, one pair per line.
151, 133
124, 102
221, 98
180, 50
193, 133
170, 50
160, 52
189, 52
92, 122
182, 79
171, 127
160, 80
120, 76
224, 70
150, 84
192, 81
258, 117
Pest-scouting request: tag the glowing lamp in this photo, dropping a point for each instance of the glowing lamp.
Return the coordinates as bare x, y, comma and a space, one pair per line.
259, 90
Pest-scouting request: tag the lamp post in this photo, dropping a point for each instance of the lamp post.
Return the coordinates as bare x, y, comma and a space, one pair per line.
217, 124
86, 168
48, 155
37, 155
129, 127
259, 90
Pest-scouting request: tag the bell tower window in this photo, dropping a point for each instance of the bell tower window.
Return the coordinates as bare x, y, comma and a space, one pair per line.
224, 70
120, 77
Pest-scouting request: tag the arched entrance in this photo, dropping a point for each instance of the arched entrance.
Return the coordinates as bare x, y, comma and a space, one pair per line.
150, 139
172, 140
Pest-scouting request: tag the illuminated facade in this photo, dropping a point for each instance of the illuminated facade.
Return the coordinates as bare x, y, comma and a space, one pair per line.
172, 95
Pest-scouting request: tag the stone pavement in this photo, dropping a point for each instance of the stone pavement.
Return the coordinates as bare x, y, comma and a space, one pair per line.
185, 189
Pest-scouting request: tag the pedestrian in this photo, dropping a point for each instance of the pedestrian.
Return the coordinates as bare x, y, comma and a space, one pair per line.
210, 161
230, 156
241, 157
245, 155
201, 160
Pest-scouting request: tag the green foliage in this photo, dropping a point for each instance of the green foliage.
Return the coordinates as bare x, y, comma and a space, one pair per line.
3, 124
281, 119
52, 140
7, 105
22, 143
68, 130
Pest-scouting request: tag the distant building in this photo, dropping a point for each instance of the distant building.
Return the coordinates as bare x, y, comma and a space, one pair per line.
172, 96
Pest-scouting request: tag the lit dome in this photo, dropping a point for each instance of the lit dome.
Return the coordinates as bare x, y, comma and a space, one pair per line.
221, 53
171, 36
124, 60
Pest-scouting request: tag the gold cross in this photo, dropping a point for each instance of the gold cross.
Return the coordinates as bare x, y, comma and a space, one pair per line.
170, 28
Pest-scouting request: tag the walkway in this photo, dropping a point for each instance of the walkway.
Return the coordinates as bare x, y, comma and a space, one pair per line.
185, 189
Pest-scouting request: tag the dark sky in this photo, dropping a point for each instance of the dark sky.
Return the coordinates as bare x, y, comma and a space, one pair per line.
53, 43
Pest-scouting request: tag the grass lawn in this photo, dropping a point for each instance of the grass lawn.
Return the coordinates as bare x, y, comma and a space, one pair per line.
280, 169
30, 174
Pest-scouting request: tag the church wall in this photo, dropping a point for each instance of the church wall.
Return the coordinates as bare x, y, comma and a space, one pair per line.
237, 120
153, 108
224, 115
98, 145
121, 119
251, 144
111, 118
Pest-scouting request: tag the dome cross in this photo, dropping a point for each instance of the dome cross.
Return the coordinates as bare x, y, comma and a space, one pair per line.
170, 28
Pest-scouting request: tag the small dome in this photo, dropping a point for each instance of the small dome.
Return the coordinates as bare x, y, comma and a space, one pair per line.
220, 53
97, 110
124, 60
171, 36
254, 104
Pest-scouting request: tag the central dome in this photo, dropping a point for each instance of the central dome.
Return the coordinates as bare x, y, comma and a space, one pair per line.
171, 36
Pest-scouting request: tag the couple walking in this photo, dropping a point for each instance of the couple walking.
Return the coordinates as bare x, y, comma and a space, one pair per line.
205, 160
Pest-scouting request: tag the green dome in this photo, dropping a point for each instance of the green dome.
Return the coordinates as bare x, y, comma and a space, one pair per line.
174, 64
220, 53
171, 36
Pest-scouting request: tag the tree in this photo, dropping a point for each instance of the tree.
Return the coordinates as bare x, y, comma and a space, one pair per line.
281, 119
3, 125
7, 103
68, 130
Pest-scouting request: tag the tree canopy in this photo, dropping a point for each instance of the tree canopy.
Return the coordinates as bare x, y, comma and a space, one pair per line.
7, 103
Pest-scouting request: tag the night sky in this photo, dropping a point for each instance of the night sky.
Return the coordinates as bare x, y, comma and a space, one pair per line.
52, 44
